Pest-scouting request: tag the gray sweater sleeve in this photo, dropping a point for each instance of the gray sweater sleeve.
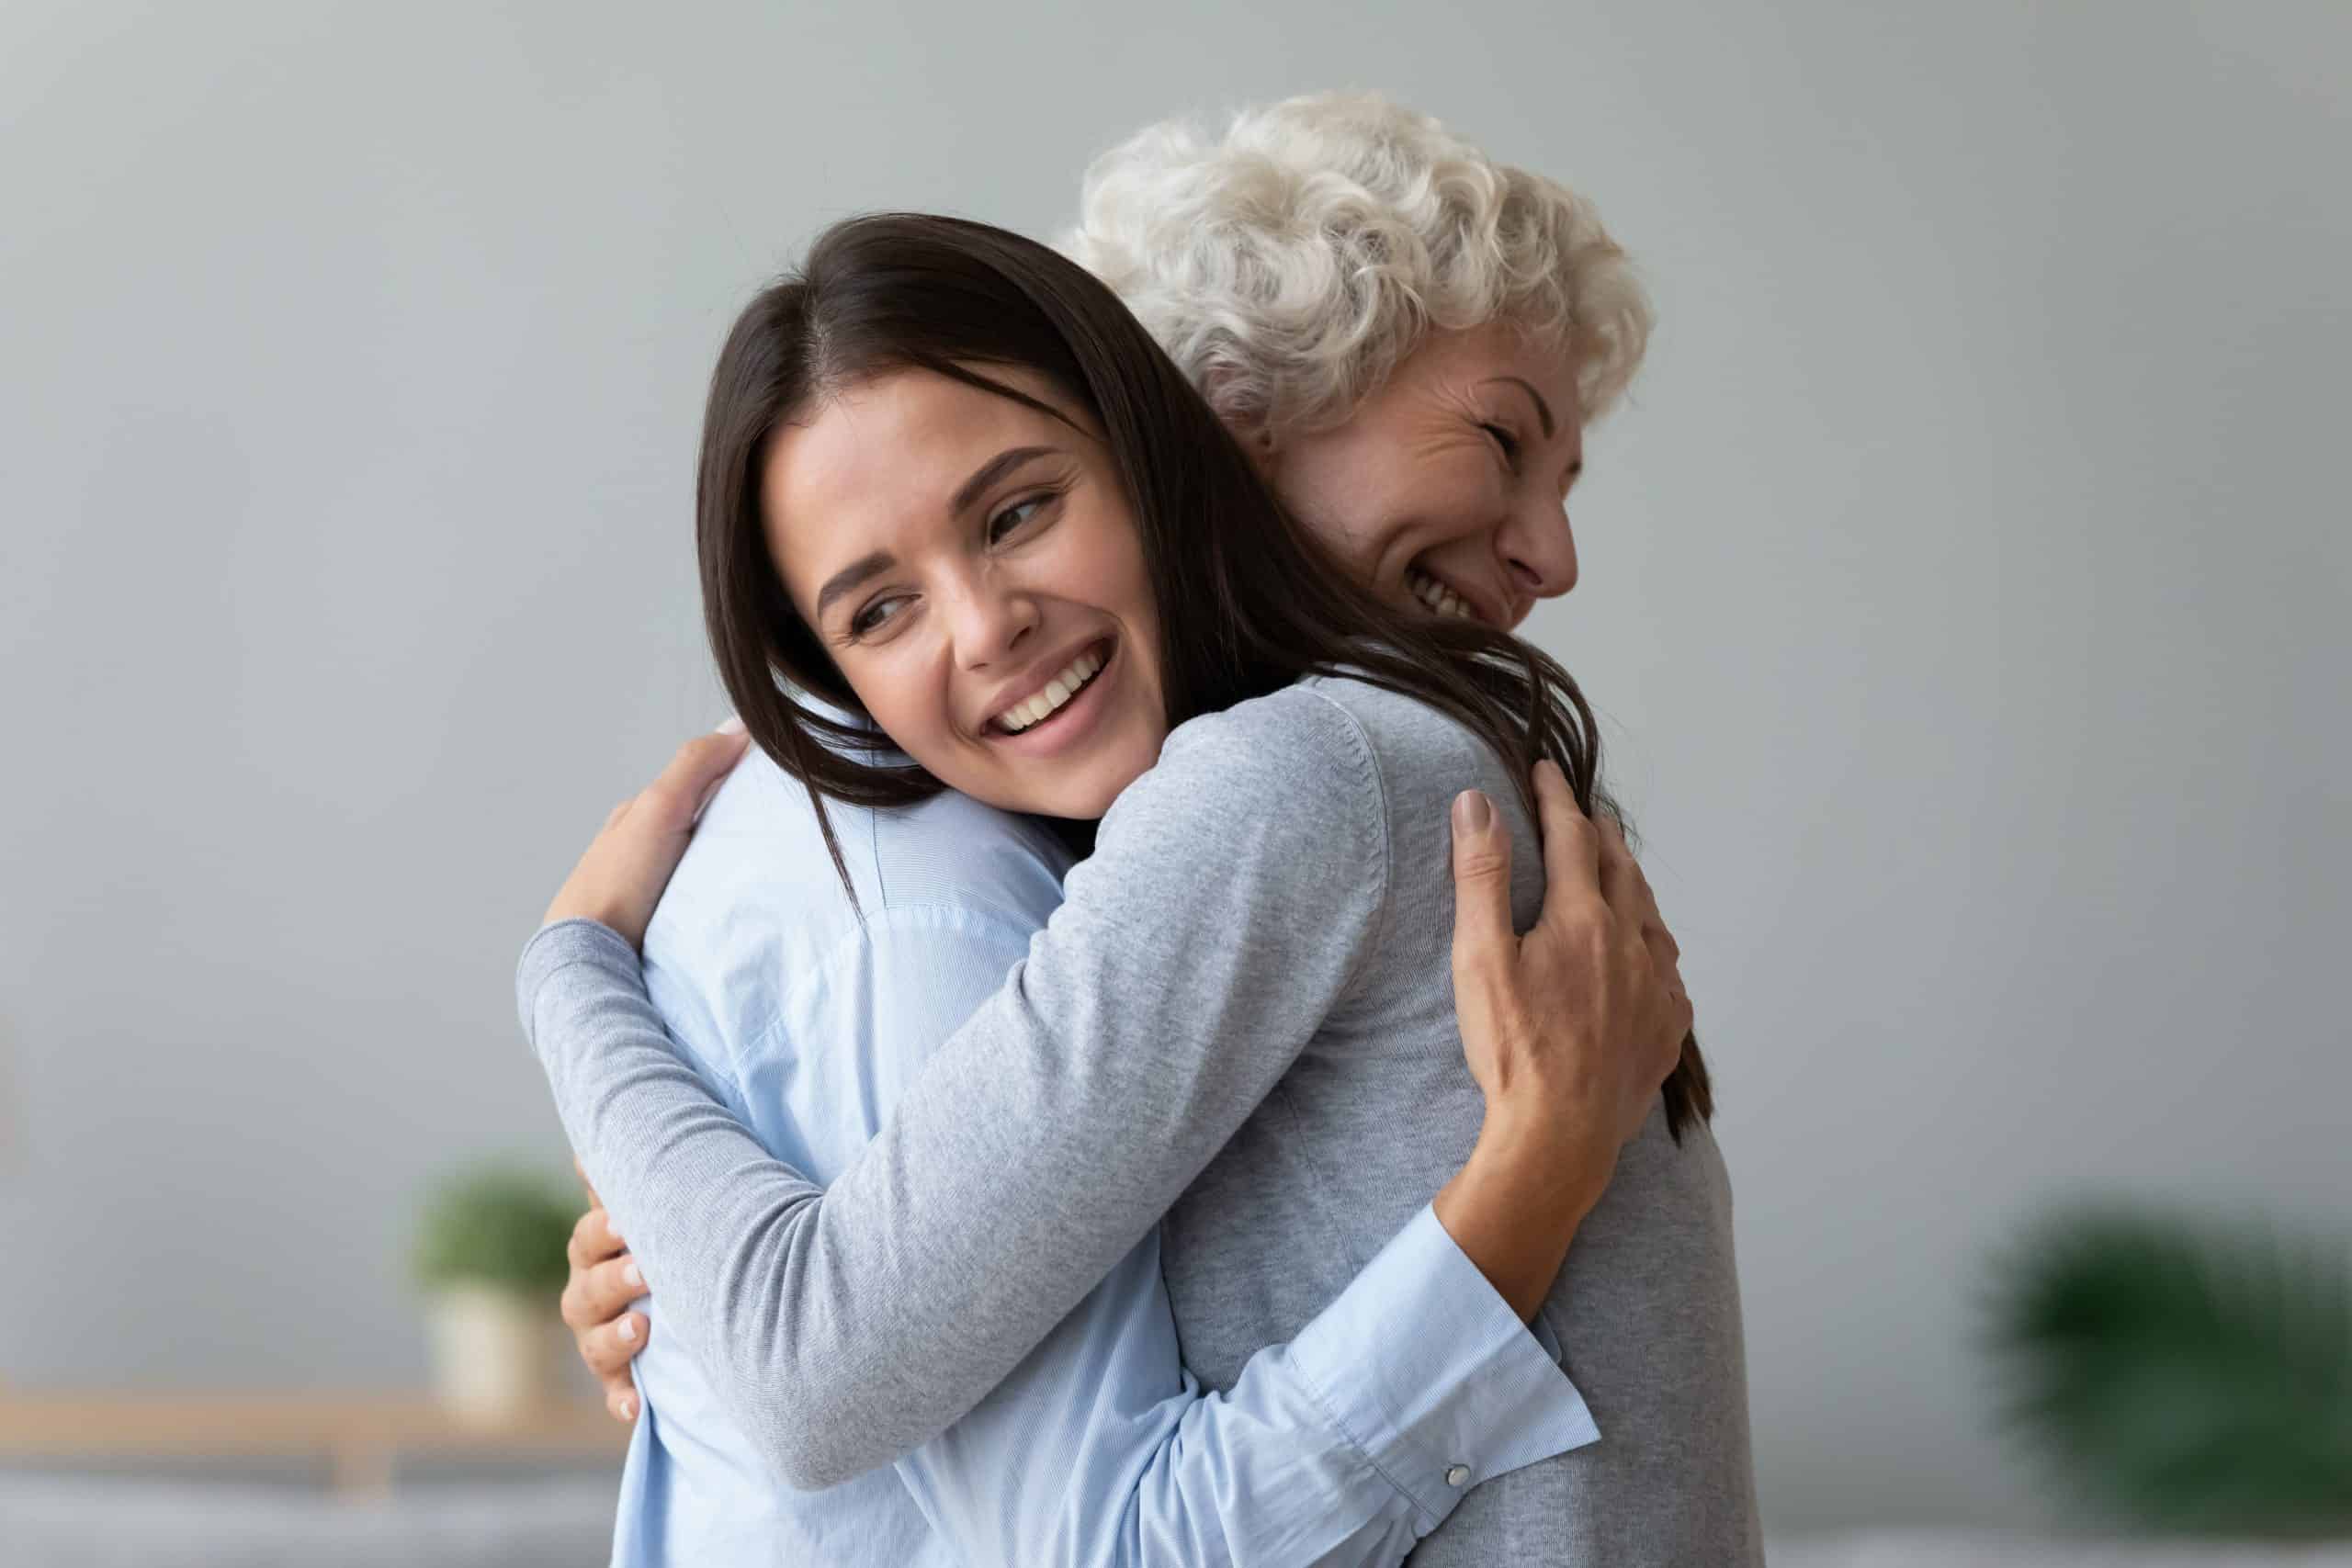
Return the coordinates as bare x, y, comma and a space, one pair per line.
1233, 892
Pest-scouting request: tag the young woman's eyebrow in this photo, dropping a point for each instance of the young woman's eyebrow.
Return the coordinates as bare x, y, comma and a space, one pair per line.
988, 473
865, 569
1543, 409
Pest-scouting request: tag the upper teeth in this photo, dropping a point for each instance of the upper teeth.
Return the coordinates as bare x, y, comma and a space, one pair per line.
1436, 595
1059, 690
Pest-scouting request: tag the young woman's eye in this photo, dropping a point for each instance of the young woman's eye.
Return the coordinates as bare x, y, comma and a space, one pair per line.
1505, 440
875, 617
1013, 517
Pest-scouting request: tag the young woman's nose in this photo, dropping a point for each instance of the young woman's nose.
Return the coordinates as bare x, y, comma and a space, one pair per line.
1538, 549
991, 623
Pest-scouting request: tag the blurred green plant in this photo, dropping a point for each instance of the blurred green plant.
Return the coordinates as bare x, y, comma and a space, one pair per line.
2179, 1377
497, 1226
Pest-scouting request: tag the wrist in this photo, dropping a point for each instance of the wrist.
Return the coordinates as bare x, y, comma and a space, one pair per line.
1553, 1167
1514, 1207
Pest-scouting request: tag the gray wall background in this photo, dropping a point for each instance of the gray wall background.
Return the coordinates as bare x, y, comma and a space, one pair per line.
1965, 589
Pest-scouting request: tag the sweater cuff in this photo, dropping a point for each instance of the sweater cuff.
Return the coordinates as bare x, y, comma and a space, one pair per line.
1423, 1365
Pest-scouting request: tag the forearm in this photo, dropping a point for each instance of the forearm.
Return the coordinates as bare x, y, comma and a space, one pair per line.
1515, 1205
1042, 1141
849, 1325
712, 1218
1343, 1446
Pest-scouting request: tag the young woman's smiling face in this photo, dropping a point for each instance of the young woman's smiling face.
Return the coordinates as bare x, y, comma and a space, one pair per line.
974, 569
1448, 485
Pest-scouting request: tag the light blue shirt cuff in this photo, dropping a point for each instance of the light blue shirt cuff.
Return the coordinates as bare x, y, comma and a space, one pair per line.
1425, 1366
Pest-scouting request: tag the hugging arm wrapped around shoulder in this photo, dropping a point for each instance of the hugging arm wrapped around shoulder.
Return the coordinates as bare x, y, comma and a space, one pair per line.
1232, 893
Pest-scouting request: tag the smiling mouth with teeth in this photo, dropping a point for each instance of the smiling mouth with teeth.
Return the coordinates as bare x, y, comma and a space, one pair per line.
1076, 677
1440, 599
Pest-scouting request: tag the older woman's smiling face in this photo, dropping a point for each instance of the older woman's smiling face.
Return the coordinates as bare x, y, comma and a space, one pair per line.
1448, 486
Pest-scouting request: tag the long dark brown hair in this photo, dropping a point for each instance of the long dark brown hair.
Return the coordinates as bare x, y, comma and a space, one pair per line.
1249, 602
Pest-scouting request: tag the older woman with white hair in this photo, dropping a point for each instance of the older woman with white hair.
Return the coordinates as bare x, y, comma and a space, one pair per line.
1411, 335
1410, 339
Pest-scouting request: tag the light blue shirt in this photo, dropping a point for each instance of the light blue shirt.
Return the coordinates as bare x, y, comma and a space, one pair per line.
1345, 1446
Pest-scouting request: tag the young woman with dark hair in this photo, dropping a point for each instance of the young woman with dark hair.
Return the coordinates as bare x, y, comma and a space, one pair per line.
950, 492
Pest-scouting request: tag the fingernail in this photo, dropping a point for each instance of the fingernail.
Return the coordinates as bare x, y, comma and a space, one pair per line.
629, 1331
633, 1274
733, 726
628, 1408
1472, 812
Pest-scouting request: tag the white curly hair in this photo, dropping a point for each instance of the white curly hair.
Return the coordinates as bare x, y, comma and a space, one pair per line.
1291, 265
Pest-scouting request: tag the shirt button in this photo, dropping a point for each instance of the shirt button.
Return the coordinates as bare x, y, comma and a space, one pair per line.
1458, 1476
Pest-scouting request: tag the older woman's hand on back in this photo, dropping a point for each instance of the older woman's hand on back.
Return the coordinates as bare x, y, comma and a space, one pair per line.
628, 864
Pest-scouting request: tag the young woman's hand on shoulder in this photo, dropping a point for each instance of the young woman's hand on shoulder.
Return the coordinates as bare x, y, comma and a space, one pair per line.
1570, 1030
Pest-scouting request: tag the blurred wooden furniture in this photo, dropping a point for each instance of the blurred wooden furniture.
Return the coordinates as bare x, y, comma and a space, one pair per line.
358, 1438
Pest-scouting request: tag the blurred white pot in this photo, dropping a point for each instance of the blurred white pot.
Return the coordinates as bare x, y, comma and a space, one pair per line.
495, 1353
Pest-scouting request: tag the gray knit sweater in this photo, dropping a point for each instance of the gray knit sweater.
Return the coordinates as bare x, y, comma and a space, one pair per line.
1241, 1017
